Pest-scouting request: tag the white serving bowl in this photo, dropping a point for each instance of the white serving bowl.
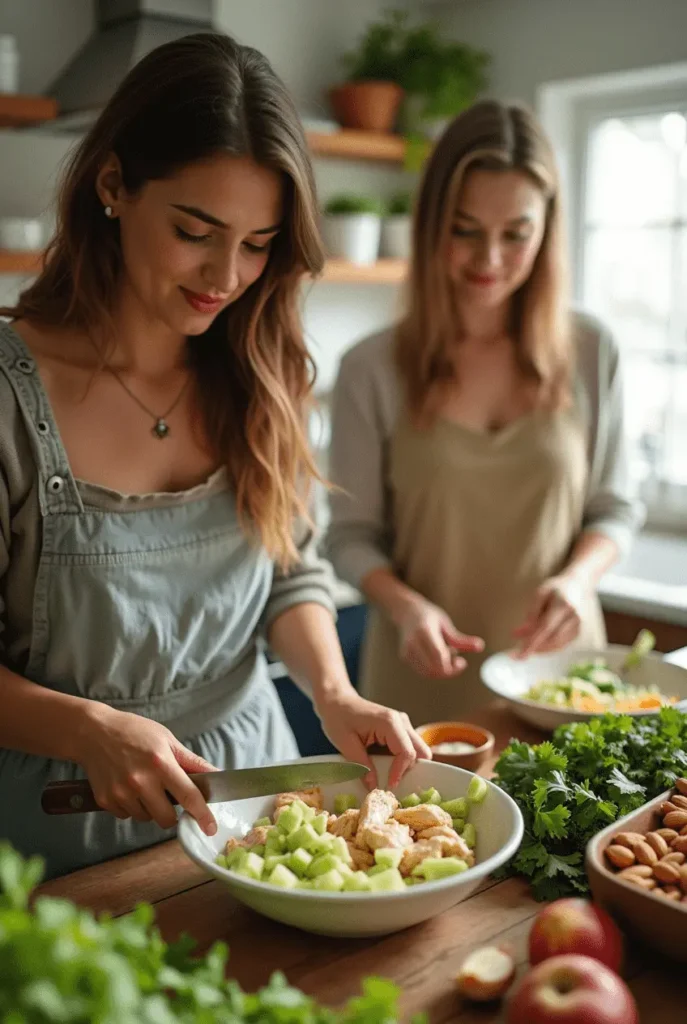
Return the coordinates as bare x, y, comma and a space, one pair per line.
498, 822
510, 679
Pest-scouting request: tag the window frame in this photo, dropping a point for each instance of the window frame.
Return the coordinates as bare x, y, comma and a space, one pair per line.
569, 110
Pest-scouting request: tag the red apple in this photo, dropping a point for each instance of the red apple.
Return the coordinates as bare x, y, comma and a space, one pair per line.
576, 926
571, 989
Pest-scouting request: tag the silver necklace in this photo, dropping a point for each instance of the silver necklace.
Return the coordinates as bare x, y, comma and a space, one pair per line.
161, 429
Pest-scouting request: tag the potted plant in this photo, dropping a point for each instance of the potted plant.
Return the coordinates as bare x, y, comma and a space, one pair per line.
351, 227
397, 226
371, 96
441, 77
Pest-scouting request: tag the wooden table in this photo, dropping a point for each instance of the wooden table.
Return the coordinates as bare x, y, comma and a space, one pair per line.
423, 960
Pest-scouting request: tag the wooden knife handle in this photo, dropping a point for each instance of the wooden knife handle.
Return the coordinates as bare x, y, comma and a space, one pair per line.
71, 797
74, 797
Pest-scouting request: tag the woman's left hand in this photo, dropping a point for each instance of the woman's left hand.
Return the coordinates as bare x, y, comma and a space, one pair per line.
353, 724
554, 617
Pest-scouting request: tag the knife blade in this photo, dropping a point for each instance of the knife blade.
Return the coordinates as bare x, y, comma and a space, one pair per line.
76, 796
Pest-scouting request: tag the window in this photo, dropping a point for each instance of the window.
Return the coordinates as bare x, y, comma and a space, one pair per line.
634, 276
622, 140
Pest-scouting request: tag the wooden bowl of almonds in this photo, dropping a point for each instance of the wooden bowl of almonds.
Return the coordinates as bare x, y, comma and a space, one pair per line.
637, 869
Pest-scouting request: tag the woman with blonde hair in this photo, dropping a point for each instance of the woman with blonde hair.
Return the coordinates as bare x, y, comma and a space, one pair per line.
154, 464
478, 445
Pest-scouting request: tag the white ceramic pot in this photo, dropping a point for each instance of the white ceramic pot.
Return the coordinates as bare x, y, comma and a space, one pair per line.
20, 234
352, 236
396, 235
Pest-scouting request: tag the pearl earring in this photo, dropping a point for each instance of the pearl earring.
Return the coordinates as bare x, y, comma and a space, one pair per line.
108, 211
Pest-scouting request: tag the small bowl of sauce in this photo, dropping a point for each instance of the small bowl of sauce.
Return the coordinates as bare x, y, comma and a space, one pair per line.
458, 743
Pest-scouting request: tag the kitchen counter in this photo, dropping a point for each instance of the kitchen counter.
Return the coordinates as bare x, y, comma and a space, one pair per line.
423, 960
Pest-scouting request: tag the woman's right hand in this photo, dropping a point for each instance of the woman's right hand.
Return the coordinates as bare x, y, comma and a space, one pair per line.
431, 644
131, 761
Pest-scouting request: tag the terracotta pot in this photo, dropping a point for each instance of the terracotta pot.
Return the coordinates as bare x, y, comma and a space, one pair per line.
372, 106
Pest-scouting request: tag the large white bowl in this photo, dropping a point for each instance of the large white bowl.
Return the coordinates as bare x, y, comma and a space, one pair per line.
510, 679
499, 826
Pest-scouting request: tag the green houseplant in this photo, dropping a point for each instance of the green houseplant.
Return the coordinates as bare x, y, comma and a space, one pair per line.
371, 96
397, 227
441, 77
351, 227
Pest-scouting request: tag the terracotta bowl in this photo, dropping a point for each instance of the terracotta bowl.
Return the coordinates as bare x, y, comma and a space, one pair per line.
653, 919
452, 732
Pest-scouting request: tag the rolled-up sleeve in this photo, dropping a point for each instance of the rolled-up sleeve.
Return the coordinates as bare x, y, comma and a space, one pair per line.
309, 580
612, 506
358, 539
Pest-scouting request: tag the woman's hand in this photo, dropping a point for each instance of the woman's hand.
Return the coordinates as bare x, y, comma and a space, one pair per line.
353, 724
431, 644
554, 617
131, 761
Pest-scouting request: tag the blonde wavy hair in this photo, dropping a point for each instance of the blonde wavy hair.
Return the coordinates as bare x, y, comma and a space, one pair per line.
185, 101
492, 136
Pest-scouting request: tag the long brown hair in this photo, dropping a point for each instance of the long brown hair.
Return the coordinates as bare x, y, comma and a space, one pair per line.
187, 100
493, 136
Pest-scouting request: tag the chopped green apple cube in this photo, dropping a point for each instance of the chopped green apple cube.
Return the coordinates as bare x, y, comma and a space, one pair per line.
319, 823
412, 800
433, 868
262, 821
430, 796
388, 858
290, 818
303, 836
389, 880
477, 790
340, 849
331, 881
321, 844
458, 824
251, 867
469, 835
299, 861
457, 808
282, 877
345, 802
356, 881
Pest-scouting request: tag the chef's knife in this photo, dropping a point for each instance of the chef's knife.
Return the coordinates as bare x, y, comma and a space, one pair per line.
76, 797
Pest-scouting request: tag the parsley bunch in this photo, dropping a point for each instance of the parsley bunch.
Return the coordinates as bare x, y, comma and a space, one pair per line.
587, 776
58, 963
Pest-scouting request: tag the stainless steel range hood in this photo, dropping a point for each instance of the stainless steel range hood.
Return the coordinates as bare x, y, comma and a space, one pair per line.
125, 31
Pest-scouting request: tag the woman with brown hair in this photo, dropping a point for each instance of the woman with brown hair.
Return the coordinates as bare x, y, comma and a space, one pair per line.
478, 445
154, 466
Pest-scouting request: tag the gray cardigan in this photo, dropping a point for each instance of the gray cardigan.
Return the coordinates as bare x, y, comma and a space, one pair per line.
366, 402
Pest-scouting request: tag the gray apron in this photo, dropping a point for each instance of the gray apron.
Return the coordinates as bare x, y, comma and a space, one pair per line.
152, 605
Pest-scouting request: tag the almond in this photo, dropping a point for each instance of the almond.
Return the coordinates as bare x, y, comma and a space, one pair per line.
629, 839
658, 891
683, 877
620, 856
683, 831
673, 891
636, 871
681, 784
679, 845
667, 833
675, 819
667, 807
643, 883
658, 843
674, 857
680, 801
669, 874
645, 854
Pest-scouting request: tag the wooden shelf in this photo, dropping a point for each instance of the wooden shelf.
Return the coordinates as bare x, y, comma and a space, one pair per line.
20, 111
20, 262
348, 144
382, 272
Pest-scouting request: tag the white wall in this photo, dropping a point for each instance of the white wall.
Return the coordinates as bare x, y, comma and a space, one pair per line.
304, 39
534, 41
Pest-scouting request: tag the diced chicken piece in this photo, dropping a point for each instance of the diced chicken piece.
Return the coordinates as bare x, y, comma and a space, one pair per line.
362, 859
452, 844
378, 807
423, 816
345, 825
392, 835
256, 836
418, 852
311, 797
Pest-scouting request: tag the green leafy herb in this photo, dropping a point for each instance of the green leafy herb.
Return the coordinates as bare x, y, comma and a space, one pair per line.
58, 963
587, 776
